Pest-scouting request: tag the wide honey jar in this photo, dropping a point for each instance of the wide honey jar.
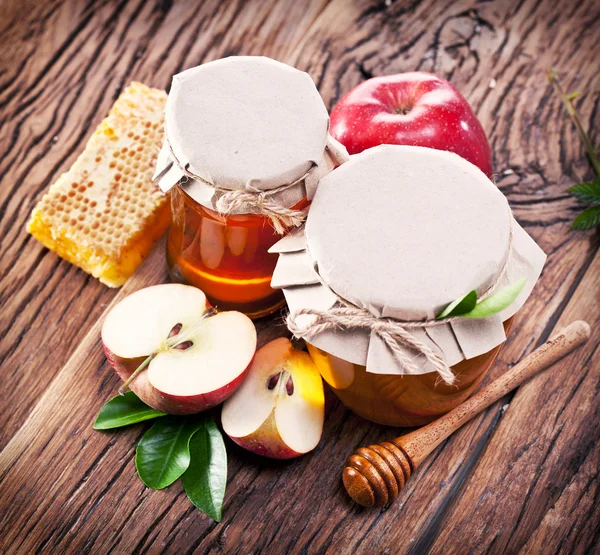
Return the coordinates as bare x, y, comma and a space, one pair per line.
404, 400
405, 280
246, 143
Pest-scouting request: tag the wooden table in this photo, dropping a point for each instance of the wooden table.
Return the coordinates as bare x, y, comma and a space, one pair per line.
522, 476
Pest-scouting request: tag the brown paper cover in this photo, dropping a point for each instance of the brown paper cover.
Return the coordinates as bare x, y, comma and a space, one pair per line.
246, 123
402, 231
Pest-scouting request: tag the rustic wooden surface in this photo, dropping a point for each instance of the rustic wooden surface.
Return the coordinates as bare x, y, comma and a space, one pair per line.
522, 476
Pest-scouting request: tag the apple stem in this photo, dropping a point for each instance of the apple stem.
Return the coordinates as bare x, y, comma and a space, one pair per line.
567, 100
125, 387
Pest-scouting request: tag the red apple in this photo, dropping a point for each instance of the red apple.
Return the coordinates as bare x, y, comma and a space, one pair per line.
413, 108
199, 357
278, 411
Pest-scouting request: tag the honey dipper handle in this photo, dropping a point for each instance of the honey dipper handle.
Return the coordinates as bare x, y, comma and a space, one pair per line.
418, 444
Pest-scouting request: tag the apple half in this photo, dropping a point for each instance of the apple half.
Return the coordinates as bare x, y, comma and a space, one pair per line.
278, 411
195, 357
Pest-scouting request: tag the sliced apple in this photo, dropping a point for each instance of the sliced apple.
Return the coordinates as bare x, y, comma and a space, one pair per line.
278, 411
198, 357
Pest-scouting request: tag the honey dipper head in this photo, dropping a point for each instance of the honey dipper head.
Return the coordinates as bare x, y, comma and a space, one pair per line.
373, 476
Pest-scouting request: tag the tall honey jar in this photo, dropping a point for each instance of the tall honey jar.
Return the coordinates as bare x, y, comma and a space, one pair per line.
246, 143
404, 281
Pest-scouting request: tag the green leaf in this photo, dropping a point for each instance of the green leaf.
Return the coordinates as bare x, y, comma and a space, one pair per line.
588, 219
124, 410
460, 306
589, 193
573, 95
205, 480
163, 453
498, 301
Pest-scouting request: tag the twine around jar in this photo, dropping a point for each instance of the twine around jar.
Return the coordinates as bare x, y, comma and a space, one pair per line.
281, 218
258, 202
394, 333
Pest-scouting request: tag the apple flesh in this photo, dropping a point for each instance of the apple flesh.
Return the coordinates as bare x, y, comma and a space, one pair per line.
413, 108
278, 411
199, 357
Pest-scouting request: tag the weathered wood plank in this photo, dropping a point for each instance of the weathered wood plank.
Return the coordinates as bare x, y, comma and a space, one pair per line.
545, 447
86, 466
75, 60
86, 496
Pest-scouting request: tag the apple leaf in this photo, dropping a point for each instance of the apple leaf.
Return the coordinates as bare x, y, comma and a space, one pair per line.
205, 480
124, 410
587, 192
460, 306
497, 302
588, 219
163, 453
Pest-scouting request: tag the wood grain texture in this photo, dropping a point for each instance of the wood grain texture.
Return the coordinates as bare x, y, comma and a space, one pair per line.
550, 448
74, 59
521, 475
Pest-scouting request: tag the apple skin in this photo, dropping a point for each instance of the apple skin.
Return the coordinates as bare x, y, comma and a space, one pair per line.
171, 404
414, 108
267, 442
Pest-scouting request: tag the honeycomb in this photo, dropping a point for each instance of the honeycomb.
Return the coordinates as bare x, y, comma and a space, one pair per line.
105, 214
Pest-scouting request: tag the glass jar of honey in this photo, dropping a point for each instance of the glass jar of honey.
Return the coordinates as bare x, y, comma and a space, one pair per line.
393, 238
246, 143
401, 400
226, 256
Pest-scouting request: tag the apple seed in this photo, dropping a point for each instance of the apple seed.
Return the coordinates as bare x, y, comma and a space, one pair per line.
272, 381
184, 345
175, 330
289, 386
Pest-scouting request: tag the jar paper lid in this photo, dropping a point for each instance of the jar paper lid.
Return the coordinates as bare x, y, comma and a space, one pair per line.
245, 123
401, 232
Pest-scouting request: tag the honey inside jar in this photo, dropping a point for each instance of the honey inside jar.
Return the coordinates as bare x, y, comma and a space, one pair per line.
226, 257
402, 400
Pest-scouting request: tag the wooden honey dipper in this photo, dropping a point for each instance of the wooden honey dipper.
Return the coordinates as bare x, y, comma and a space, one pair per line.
374, 475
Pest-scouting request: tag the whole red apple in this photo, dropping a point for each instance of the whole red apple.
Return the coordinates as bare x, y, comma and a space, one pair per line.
414, 108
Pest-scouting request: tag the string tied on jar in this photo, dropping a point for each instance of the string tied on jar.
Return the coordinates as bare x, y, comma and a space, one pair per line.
282, 218
230, 202
394, 333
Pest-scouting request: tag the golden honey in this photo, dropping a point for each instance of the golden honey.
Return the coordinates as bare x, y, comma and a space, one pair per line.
402, 400
225, 256
384, 253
